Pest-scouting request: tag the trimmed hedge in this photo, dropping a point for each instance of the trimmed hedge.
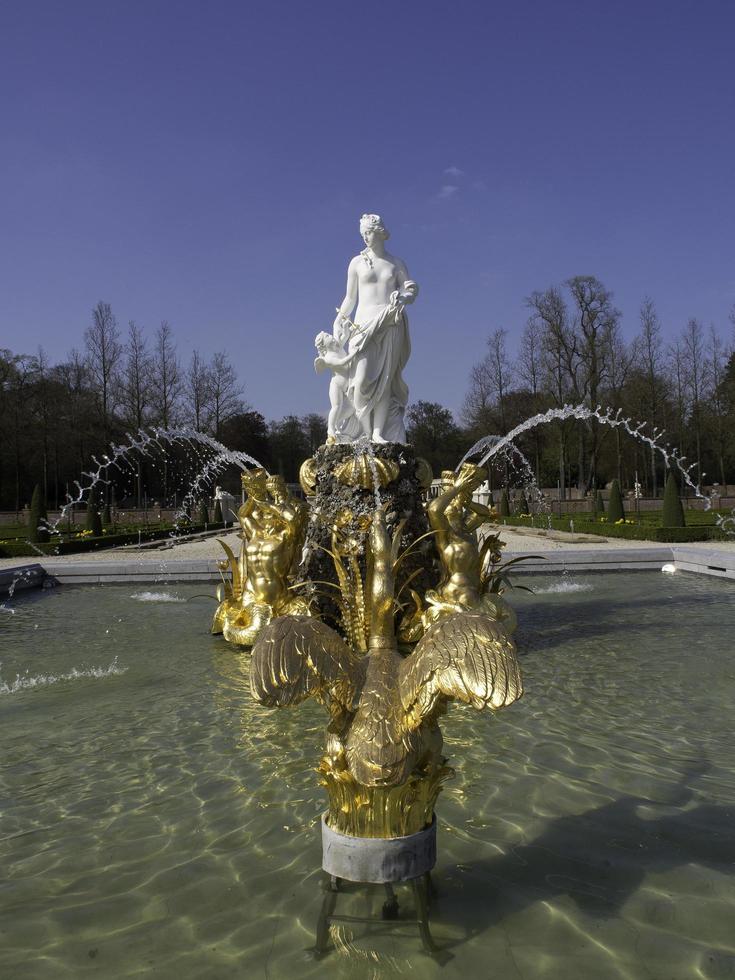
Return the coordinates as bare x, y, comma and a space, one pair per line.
634, 532
21, 549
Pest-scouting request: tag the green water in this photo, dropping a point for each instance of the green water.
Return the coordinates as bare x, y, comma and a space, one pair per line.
154, 821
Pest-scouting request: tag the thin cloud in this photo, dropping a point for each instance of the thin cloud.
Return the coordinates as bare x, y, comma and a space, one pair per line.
454, 172
447, 191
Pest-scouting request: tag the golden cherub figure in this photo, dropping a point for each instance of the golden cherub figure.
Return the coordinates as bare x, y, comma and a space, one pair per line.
383, 766
272, 523
466, 582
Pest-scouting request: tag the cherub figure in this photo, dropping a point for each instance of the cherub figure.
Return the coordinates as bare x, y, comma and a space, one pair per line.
342, 424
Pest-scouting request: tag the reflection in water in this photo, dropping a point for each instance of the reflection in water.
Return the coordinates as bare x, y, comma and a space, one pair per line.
157, 820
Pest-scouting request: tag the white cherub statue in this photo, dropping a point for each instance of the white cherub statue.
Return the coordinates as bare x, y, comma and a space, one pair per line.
342, 423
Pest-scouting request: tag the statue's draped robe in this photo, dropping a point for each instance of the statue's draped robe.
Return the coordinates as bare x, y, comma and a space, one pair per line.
381, 350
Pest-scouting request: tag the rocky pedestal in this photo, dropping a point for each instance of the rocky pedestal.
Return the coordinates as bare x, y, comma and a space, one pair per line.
348, 486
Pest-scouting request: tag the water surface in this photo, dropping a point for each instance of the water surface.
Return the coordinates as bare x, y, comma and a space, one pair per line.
155, 821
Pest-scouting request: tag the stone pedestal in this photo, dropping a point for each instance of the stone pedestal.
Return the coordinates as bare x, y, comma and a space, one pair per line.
377, 860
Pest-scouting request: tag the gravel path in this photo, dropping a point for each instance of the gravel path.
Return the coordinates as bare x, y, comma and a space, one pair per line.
516, 540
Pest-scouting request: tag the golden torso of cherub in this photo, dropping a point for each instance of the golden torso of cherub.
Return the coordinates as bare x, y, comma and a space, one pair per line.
272, 523
455, 525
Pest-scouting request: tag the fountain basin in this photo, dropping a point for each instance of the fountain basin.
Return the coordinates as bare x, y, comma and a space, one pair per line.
152, 815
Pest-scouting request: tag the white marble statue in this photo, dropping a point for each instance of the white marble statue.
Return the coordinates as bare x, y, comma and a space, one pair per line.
378, 344
342, 424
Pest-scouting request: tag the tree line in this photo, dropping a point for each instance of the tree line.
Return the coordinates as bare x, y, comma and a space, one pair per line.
54, 419
572, 351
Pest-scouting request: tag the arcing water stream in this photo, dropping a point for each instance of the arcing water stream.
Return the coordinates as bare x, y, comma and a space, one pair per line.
157, 441
490, 446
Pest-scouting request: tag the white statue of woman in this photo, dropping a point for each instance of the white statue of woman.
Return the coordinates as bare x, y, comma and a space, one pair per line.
378, 343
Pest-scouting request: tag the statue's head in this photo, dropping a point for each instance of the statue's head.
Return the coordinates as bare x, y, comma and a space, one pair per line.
373, 223
254, 482
277, 485
325, 341
447, 479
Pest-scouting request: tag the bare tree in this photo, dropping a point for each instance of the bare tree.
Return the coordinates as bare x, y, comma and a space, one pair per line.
198, 392
595, 318
166, 380
103, 352
559, 361
619, 360
528, 368
225, 392
485, 402
696, 378
677, 381
135, 389
135, 379
717, 399
650, 350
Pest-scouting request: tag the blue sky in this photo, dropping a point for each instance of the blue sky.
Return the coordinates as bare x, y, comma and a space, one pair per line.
207, 163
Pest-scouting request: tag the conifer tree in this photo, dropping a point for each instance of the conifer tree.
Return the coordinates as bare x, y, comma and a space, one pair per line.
615, 511
673, 512
94, 517
203, 513
504, 509
37, 519
218, 512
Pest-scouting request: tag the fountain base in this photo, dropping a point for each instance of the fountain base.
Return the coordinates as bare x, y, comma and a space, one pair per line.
377, 860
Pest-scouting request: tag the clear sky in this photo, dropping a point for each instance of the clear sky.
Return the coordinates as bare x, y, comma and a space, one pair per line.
207, 163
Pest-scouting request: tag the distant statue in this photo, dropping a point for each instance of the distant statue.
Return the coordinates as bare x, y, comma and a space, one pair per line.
378, 343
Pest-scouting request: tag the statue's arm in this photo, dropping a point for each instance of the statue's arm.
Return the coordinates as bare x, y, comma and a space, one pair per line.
340, 329
408, 290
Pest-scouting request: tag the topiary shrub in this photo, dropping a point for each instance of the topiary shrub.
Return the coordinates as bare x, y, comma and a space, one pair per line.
94, 517
673, 513
218, 512
203, 513
599, 503
37, 519
106, 515
504, 509
615, 510
522, 504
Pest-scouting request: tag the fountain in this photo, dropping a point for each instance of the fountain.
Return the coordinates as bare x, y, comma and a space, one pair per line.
149, 799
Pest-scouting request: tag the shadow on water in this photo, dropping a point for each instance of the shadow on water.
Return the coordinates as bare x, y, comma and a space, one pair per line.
599, 859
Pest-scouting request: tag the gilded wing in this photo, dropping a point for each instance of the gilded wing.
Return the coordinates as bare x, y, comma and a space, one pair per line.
467, 656
296, 657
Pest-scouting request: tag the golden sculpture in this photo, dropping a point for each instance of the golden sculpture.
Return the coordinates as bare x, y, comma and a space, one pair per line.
367, 471
307, 476
383, 766
272, 523
467, 581
424, 473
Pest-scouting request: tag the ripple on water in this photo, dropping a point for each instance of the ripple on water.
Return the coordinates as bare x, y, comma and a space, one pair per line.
167, 824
